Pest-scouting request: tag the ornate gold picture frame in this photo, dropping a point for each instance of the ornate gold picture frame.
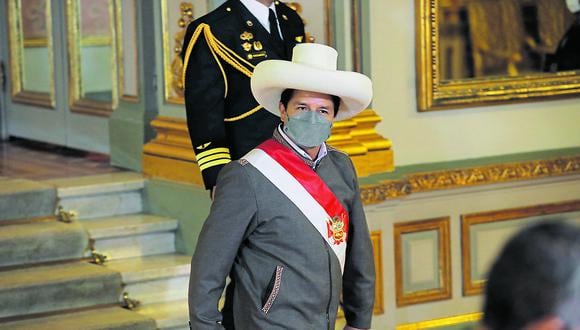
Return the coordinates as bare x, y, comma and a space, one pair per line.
435, 93
474, 286
412, 286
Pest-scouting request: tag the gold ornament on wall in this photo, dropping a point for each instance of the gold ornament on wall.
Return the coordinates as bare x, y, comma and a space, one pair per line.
186, 9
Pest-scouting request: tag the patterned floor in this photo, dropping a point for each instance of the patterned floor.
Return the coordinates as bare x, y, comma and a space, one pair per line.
37, 161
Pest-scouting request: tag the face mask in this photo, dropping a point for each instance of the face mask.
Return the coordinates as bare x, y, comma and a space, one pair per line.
308, 128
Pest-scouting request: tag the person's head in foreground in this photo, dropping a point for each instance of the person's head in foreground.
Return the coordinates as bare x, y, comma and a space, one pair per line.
309, 93
534, 283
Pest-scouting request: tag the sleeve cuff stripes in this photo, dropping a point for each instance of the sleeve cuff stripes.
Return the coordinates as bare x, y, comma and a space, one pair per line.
213, 157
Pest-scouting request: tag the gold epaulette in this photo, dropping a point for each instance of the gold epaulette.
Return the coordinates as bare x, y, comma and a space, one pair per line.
218, 50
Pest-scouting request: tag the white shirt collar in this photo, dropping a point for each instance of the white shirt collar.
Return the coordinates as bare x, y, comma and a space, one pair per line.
261, 12
321, 153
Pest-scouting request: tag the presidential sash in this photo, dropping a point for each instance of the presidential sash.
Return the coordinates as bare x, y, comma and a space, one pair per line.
306, 190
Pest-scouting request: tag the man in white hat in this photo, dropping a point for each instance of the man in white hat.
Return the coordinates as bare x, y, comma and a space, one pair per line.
287, 222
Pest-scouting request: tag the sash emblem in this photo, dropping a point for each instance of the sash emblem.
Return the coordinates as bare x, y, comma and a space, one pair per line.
336, 230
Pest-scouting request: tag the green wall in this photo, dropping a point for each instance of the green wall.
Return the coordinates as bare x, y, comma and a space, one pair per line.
188, 204
129, 127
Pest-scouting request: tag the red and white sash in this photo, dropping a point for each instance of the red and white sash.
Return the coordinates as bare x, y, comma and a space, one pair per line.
306, 190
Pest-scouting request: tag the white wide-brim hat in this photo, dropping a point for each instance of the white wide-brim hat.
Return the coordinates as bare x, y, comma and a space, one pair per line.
313, 69
573, 5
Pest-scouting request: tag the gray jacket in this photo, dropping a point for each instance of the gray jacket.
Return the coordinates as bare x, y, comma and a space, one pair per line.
285, 274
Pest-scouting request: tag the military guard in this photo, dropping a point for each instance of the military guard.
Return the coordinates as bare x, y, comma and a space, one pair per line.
287, 223
219, 53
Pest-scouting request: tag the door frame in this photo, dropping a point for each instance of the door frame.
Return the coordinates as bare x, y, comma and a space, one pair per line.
3, 74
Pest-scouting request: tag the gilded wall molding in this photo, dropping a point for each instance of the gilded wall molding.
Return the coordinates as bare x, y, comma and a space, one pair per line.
466, 177
441, 322
172, 43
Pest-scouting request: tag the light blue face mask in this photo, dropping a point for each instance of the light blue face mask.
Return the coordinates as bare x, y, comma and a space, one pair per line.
308, 129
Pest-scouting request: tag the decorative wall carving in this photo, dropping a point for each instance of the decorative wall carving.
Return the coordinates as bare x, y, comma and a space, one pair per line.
451, 179
177, 64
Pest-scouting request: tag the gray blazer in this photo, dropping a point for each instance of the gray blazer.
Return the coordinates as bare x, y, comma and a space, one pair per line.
285, 274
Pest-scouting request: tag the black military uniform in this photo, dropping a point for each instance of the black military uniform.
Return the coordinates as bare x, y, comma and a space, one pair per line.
219, 52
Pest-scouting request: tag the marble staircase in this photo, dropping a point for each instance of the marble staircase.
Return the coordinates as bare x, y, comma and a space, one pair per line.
45, 283
141, 270
139, 246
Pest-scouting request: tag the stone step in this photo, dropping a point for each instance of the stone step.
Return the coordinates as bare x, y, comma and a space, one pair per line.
24, 199
29, 243
94, 319
161, 290
154, 279
101, 195
57, 287
172, 315
129, 225
148, 268
132, 235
